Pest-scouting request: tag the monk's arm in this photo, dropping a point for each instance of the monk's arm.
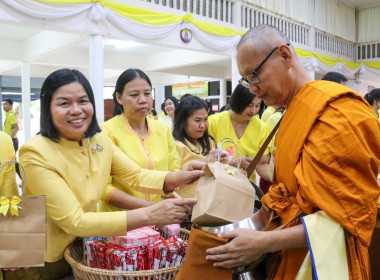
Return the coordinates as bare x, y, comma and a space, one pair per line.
247, 246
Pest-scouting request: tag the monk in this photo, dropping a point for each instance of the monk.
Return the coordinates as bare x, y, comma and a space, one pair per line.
327, 153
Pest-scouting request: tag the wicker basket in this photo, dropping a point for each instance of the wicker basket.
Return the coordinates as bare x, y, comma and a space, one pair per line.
74, 256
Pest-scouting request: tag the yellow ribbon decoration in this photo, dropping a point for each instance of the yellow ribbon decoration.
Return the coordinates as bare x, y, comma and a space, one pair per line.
229, 170
5, 204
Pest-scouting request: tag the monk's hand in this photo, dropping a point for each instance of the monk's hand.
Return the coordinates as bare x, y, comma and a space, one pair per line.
243, 249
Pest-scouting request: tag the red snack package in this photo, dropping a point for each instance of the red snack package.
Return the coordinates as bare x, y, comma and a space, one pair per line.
118, 260
141, 258
181, 253
159, 251
149, 256
171, 255
131, 259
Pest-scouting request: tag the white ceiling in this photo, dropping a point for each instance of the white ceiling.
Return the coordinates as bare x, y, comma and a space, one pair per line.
361, 4
20, 43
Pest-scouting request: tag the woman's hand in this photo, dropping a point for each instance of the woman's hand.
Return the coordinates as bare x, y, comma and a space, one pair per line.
244, 162
220, 155
170, 211
191, 173
166, 212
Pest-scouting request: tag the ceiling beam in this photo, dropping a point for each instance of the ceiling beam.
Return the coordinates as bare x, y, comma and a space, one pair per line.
47, 43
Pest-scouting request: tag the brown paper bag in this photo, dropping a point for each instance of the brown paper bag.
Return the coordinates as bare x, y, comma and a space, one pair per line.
224, 194
22, 237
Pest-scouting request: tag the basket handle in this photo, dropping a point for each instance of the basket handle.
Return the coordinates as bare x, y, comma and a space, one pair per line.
229, 140
2, 166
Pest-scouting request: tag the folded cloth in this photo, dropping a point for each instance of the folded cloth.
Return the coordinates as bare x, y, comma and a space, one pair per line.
196, 266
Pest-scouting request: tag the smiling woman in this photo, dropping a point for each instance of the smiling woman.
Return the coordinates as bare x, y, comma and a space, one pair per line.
244, 128
71, 161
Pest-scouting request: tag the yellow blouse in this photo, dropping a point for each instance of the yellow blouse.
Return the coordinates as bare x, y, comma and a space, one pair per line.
8, 174
249, 143
156, 151
73, 178
186, 155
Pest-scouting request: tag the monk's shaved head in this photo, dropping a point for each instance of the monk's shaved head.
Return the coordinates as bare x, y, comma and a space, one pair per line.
263, 38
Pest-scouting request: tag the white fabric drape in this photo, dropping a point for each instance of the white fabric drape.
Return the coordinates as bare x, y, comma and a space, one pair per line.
369, 25
315, 64
103, 16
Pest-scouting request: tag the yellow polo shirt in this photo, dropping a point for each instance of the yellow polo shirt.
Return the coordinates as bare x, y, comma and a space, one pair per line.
10, 120
249, 143
155, 151
73, 178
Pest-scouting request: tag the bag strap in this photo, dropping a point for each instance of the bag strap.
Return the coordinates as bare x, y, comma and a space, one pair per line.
252, 166
2, 166
299, 215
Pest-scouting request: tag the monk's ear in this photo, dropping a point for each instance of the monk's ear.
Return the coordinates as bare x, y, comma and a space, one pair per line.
286, 53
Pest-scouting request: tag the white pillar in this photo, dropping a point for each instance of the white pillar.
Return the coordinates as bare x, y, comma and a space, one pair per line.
223, 93
235, 76
159, 97
96, 74
25, 87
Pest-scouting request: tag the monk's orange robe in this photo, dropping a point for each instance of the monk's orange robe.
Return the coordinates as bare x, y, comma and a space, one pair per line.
326, 158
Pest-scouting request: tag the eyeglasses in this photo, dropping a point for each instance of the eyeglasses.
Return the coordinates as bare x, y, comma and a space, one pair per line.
252, 77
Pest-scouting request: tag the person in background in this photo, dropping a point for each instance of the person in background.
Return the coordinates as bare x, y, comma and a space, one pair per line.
335, 77
267, 113
373, 99
224, 108
11, 125
171, 104
71, 160
153, 114
326, 165
147, 142
247, 131
163, 113
11, 122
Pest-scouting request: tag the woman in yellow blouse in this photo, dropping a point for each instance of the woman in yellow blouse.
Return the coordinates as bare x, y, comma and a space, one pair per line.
147, 142
248, 132
191, 136
70, 162
192, 139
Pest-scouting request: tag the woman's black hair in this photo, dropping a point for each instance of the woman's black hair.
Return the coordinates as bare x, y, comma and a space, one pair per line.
52, 83
241, 98
372, 96
126, 77
175, 101
185, 109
